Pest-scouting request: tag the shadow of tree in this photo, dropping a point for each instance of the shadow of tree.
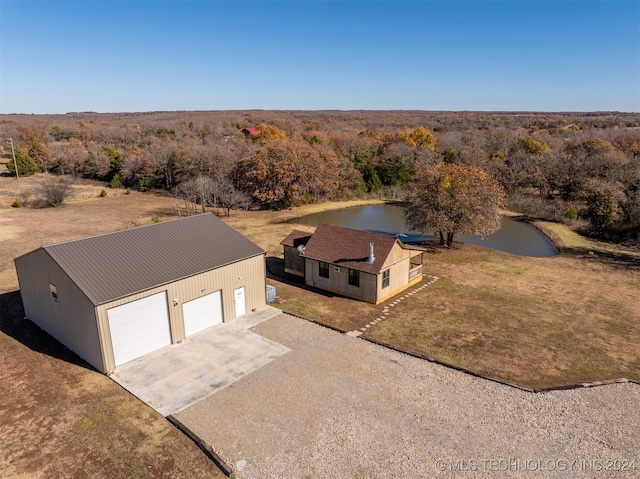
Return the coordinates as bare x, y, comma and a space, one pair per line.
14, 324
616, 259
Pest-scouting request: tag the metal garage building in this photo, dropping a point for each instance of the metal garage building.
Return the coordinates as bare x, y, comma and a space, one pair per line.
115, 297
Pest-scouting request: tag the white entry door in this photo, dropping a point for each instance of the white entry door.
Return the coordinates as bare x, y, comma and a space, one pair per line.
238, 300
202, 313
139, 327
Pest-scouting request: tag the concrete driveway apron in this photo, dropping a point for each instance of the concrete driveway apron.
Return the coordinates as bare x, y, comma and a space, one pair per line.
177, 376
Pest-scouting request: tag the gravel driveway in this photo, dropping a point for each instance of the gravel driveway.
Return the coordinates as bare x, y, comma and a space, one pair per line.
340, 407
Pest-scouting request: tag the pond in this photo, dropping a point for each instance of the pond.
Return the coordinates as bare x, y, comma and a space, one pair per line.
514, 236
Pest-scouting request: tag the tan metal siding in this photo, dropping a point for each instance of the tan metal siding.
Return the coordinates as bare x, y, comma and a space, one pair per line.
71, 320
249, 273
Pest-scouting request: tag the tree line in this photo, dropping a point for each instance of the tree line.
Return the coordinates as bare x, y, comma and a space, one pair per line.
581, 168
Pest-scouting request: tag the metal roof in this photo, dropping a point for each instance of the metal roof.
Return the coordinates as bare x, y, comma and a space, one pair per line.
349, 247
114, 265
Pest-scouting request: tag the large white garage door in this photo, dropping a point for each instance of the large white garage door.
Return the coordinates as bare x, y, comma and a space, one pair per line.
139, 327
202, 313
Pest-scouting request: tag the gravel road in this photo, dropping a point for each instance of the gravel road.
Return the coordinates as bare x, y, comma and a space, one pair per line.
340, 407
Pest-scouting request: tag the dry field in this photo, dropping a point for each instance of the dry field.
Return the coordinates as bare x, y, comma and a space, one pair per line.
539, 322
58, 417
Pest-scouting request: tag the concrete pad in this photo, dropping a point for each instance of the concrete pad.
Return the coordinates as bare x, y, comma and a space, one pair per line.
179, 375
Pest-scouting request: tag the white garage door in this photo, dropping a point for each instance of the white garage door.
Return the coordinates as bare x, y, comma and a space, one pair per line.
202, 313
139, 327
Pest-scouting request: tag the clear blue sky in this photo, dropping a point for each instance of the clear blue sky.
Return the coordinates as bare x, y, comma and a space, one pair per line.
126, 56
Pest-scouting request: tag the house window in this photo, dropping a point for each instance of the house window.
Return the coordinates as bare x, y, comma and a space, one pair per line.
54, 292
385, 278
354, 277
324, 269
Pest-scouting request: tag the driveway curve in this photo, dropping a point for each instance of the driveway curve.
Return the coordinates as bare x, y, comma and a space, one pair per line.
338, 406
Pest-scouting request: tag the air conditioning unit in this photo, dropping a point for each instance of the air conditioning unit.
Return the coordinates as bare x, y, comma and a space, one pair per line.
271, 293
336, 269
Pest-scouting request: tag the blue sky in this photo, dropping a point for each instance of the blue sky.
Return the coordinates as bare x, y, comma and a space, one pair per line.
125, 56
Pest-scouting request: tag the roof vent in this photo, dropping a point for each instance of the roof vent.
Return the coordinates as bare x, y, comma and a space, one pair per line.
371, 257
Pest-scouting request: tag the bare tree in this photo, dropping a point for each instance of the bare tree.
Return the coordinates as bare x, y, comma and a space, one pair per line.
197, 191
228, 197
69, 156
54, 191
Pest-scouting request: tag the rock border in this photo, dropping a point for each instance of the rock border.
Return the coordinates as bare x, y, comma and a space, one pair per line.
211, 454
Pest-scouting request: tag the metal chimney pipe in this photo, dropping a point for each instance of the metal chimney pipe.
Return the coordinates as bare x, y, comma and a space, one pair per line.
371, 257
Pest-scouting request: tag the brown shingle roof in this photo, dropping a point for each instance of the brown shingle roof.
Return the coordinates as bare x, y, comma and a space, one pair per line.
114, 265
296, 238
349, 247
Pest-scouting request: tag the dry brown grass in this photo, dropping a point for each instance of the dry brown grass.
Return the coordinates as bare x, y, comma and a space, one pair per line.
84, 214
536, 322
59, 417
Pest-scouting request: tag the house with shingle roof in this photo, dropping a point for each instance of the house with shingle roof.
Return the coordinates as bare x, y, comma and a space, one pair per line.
363, 265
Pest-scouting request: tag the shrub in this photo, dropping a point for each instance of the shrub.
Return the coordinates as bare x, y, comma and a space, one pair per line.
102, 194
16, 204
54, 192
147, 182
603, 208
571, 213
127, 192
116, 182
26, 165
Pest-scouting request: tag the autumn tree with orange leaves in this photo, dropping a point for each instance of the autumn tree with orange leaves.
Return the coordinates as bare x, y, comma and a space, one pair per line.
454, 199
290, 173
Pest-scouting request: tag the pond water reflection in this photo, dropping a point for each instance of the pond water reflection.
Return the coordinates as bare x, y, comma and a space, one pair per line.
514, 236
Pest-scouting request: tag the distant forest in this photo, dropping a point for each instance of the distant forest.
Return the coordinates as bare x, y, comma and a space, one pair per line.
582, 169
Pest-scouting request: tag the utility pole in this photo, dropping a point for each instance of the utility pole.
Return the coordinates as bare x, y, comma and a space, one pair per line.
13, 153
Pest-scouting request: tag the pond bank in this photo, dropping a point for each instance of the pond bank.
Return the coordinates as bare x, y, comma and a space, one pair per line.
514, 236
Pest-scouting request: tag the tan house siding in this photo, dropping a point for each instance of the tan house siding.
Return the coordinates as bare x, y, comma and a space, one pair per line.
338, 281
71, 320
345, 249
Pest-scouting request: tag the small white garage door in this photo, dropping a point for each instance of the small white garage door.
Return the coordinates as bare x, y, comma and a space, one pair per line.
139, 327
202, 313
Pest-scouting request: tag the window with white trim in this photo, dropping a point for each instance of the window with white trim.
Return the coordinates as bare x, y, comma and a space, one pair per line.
385, 278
